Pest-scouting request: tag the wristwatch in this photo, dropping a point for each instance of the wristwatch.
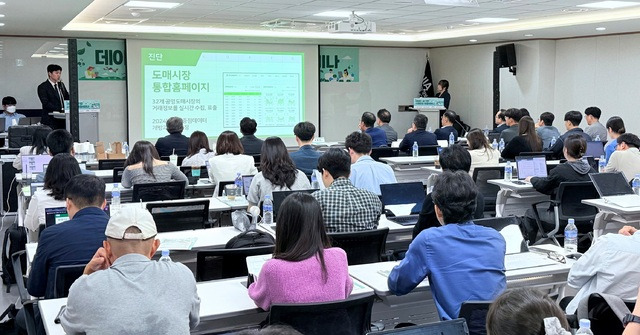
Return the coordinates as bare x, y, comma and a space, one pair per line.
630, 318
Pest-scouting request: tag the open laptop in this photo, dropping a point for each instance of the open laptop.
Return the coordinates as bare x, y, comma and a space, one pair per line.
246, 182
55, 215
35, 163
614, 188
595, 149
25, 121
279, 196
531, 166
403, 202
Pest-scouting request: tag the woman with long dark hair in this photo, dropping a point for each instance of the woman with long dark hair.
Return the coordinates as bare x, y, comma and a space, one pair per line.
229, 159
144, 166
198, 152
482, 153
304, 267
526, 141
38, 146
278, 173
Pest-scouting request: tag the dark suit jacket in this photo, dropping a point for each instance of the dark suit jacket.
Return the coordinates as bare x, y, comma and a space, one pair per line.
252, 145
443, 133
500, 128
423, 137
447, 98
50, 100
165, 145
557, 148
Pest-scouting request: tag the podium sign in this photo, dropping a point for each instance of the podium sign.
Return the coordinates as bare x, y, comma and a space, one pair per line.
428, 103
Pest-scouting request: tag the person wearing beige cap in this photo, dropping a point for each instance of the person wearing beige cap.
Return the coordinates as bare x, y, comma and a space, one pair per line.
123, 291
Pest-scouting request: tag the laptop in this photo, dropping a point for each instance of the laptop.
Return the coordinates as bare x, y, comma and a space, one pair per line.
35, 163
55, 215
614, 188
246, 182
403, 202
25, 121
531, 166
595, 149
279, 196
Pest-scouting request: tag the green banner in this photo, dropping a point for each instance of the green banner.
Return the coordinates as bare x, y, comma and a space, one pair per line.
101, 60
339, 65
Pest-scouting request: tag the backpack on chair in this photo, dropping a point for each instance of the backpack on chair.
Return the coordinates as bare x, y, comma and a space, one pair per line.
605, 311
15, 239
250, 238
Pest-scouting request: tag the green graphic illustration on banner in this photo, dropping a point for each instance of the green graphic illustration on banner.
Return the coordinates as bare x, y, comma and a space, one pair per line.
339, 65
101, 60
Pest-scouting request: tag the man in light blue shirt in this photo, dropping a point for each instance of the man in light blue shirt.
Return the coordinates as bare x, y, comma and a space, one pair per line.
546, 130
463, 261
366, 173
9, 112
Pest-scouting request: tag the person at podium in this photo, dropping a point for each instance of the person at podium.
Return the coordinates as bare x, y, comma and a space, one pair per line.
443, 92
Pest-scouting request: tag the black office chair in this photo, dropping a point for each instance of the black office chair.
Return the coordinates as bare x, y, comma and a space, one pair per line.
222, 184
183, 215
204, 173
499, 223
180, 159
349, 316
170, 190
25, 298
117, 174
110, 164
489, 191
448, 327
362, 247
475, 314
547, 154
494, 136
428, 150
568, 204
226, 263
65, 276
376, 153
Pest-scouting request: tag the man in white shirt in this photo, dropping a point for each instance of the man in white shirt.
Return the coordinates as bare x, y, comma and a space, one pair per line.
626, 158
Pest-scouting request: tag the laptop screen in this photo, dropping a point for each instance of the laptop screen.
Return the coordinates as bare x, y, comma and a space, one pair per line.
35, 163
531, 166
55, 215
403, 194
246, 182
610, 183
595, 149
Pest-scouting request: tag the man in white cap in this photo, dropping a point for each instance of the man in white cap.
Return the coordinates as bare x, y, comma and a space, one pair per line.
123, 291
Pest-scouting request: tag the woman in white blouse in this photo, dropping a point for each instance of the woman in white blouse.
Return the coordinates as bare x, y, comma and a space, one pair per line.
482, 154
199, 152
38, 146
229, 160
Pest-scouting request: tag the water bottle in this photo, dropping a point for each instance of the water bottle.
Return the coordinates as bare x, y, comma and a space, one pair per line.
585, 327
494, 144
125, 149
636, 184
173, 158
165, 256
553, 142
452, 138
597, 138
571, 237
508, 171
602, 163
414, 151
315, 185
486, 131
238, 183
501, 145
267, 210
115, 199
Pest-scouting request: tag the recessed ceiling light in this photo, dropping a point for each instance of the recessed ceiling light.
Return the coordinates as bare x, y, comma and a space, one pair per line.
453, 3
601, 28
1, 24
152, 4
338, 13
473, 41
528, 35
575, 10
2, 3
1, 15
58, 48
491, 20
610, 4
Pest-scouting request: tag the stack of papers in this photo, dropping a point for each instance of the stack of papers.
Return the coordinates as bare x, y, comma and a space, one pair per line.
177, 243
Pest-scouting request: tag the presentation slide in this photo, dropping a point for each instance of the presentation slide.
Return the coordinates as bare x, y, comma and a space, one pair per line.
212, 90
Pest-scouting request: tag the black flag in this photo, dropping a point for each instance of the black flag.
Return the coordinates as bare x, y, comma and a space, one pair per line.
427, 84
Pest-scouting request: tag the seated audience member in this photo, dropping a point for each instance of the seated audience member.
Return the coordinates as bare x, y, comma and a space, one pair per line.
229, 159
251, 144
366, 173
500, 122
61, 169
574, 169
594, 128
522, 311
477, 251
417, 133
123, 291
482, 153
633, 327
306, 158
526, 141
384, 117
571, 122
546, 131
378, 136
278, 173
175, 140
447, 120
38, 146
615, 128
626, 158
59, 141
199, 151
9, 112
72, 242
345, 208
611, 266
524, 112
512, 117
144, 166
305, 268
452, 159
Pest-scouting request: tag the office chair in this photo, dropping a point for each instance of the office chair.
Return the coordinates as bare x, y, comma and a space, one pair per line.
117, 174
376, 153
170, 190
110, 164
481, 175
509, 228
349, 316
222, 184
448, 327
475, 314
180, 159
25, 298
204, 173
226, 263
65, 276
548, 155
428, 150
362, 247
183, 215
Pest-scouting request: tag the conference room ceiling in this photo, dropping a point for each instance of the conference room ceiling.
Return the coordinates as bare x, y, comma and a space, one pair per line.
399, 22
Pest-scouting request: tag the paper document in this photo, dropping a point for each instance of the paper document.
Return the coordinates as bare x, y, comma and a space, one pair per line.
527, 260
177, 243
255, 263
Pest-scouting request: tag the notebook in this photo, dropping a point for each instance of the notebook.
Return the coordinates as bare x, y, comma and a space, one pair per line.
531, 166
403, 201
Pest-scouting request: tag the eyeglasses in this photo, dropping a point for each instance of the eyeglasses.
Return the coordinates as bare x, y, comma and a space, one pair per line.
557, 257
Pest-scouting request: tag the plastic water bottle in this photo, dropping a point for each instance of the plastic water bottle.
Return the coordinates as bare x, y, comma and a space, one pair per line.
125, 149
314, 182
267, 210
165, 256
597, 138
602, 163
508, 171
501, 145
494, 144
486, 131
452, 139
636, 184
414, 151
238, 183
115, 199
571, 237
585, 327
553, 142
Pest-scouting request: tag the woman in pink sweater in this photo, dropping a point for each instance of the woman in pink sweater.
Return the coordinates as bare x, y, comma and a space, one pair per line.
304, 268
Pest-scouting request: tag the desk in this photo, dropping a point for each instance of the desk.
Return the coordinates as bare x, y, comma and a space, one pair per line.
407, 168
520, 194
102, 174
611, 217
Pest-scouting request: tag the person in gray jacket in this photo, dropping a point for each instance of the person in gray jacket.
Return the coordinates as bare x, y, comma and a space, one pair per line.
595, 129
384, 117
546, 131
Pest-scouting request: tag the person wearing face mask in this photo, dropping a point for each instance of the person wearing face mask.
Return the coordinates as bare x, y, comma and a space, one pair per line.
9, 112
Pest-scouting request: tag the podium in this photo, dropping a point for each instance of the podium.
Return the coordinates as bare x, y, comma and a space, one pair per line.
430, 107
